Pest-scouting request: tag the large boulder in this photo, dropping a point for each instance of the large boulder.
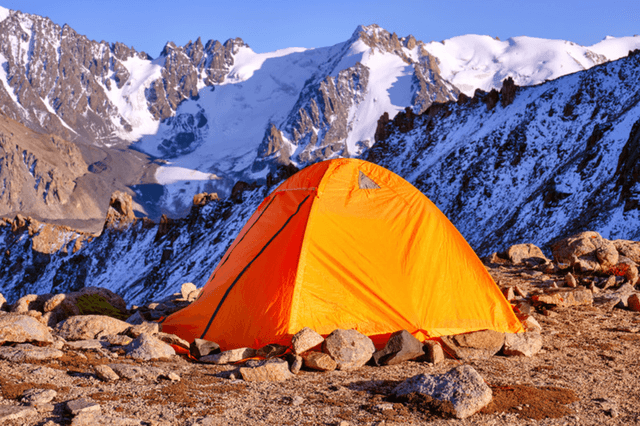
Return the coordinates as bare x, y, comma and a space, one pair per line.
586, 252
88, 301
85, 327
475, 345
16, 328
460, 392
350, 349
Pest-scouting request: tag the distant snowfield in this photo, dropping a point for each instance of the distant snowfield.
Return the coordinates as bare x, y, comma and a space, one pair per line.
474, 61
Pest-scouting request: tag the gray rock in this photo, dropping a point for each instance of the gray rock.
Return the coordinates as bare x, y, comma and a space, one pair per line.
145, 327
106, 373
27, 353
304, 340
461, 391
271, 370
84, 327
136, 319
147, 347
433, 351
16, 328
228, 357
349, 348
10, 412
565, 298
133, 372
401, 346
117, 339
570, 281
271, 351
201, 347
295, 363
586, 252
38, 396
319, 361
522, 344
476, 345
86, 344
81, 406
172, 339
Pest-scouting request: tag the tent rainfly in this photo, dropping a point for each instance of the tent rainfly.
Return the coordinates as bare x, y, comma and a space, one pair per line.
345, 244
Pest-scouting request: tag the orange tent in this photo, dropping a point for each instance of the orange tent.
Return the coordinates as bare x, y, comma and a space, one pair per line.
344, 244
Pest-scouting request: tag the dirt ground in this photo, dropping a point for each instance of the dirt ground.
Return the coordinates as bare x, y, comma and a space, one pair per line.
586, 374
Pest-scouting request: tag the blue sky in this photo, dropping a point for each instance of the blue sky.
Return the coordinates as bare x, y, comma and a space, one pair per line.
271, 25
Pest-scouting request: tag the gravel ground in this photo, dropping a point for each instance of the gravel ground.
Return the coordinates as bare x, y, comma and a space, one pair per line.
586, 374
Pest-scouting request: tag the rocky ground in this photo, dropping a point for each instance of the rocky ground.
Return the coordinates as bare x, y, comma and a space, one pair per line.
586, 372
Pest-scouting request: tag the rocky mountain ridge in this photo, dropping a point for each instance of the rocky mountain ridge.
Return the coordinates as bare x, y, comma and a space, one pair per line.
528, 163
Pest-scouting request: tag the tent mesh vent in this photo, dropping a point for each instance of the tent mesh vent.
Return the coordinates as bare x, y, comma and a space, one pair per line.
365, 182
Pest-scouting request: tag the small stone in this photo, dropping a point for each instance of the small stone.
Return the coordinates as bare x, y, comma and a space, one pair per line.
172, 376
508, 293
304, 340
297, 400
522, 344
634, 302
570, 281
271, 351
85, 344
146, 327
172, 339
106, 373
136, 319
201, 347
295, 363
462, 389
475, 345
117, 339
610, 282
435, 354
81, 406
319, 361
38, 396
401, 346
271, 370
187, 289
530, 323
228, 357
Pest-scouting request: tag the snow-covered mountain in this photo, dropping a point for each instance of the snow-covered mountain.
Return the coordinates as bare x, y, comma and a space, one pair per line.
526, 164
529, 164
212, 113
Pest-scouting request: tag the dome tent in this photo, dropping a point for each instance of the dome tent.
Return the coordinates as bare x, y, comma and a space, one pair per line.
344, 244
